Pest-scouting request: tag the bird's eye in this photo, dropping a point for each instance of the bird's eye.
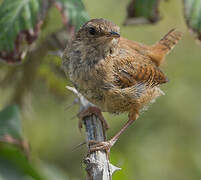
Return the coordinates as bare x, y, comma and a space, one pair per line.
92, 31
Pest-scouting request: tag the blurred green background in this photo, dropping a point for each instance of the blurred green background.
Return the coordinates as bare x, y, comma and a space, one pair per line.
164, 143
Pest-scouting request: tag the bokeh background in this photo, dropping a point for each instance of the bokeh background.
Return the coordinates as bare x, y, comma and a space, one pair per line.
164, 143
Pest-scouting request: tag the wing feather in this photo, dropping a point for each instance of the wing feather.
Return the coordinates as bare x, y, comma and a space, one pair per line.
131, 70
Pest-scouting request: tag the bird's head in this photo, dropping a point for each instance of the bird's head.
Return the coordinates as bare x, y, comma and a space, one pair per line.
99, 32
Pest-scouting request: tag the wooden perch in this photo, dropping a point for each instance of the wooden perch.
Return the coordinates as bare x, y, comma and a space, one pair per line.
97, 163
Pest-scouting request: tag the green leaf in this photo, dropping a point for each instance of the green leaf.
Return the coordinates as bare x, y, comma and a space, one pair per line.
142, 12
192, 12
73, 12
10, 123
15, 165
18, 19
52, 172
13, 161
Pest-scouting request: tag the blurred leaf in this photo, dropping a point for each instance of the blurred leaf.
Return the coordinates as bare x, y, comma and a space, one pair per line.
10, 122
52, 172
142, 12
10, 128
18, 26
192, 12
14, 165
13, 161
73, 12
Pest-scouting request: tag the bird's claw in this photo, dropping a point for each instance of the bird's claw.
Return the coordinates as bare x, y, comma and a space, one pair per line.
98, 146
89, 111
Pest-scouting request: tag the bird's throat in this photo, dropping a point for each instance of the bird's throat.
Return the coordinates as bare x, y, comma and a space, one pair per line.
106, 49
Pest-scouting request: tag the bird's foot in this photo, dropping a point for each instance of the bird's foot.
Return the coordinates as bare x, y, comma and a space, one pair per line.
103, 145
88, 112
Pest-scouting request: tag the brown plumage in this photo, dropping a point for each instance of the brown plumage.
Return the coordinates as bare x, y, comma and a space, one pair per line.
114, 73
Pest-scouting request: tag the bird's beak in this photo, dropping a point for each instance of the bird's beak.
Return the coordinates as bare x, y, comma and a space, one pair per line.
113, 34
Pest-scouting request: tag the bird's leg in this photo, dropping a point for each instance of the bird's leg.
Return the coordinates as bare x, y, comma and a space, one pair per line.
88, 112
106, 145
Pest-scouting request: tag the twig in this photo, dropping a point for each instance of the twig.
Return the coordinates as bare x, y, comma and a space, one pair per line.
97, 163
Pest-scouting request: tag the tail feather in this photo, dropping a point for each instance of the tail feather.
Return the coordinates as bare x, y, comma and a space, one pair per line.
164, 46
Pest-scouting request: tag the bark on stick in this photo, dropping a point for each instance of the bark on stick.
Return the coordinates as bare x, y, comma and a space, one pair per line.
97, 163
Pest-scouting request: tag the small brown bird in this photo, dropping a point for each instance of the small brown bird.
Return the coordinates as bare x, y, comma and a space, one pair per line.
114, 73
